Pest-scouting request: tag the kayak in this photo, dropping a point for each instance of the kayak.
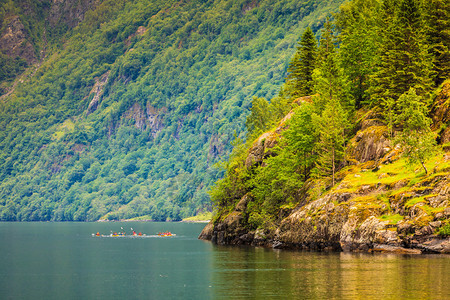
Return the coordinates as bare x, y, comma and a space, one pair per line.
119, 235
166, 234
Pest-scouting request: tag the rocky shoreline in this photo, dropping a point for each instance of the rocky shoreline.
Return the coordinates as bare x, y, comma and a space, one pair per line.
378, 204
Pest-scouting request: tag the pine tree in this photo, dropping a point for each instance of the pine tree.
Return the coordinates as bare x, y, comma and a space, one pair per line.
357, 23
404, 61
330, 82
327, 43
300, 70
437, 19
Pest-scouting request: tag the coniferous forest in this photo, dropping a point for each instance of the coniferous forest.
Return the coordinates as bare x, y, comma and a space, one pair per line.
141, 108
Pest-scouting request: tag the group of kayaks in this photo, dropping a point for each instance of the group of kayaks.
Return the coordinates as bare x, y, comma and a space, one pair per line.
133, 234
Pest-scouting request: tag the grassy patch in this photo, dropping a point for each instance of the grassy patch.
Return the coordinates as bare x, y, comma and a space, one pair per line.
392, 219
141, 218
414, 201
444, 231
200, 217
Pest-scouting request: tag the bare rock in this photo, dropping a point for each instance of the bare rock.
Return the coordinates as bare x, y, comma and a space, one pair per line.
437, 246
356, 237
97, 90
207, 232
394, 249
242, 205
14, 41
370, 144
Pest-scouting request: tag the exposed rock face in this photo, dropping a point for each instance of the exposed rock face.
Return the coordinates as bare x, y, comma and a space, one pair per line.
70, 12
342, 222
260, 148
232, 229
150, 118
441, 113
370, 144
14, 41
97, 90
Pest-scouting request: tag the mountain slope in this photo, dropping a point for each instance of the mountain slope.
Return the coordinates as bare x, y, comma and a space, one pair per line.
131, 108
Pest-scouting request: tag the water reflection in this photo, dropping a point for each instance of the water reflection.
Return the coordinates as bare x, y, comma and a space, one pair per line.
242, 272
63, 261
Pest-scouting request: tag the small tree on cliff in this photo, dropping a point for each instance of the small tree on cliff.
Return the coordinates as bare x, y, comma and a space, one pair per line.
417, 139
331, 126
300, 69
260, 116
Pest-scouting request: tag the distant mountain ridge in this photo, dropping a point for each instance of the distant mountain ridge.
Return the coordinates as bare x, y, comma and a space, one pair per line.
122, 108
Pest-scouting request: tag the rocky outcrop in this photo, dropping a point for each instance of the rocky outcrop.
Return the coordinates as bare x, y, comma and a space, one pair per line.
440, 112
97, 92
69, 12
348, 222
150, 118
374, 207
14, 41
371, 143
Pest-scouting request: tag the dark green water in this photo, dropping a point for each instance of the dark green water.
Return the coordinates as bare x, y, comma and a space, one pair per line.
63, 261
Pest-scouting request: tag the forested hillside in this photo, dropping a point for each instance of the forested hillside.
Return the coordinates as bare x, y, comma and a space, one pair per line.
356, 157
121, 109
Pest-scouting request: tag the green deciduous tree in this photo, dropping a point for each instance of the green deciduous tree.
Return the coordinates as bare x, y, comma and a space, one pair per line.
417, 139
331, 125
301, 138
260, 117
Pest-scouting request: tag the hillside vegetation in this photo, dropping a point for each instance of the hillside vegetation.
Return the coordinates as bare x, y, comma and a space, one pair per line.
120, 109
353, 153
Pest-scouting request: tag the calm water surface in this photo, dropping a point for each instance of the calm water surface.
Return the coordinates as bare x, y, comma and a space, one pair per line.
63, 261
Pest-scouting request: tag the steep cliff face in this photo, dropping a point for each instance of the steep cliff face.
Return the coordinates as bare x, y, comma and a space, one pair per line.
379, 204
15, 42
69, 12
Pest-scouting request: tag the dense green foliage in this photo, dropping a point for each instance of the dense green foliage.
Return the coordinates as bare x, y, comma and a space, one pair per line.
416, 138
178, 80
299, 80
383, 56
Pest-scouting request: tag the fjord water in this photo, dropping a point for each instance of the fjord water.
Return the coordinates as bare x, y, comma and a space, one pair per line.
63, 261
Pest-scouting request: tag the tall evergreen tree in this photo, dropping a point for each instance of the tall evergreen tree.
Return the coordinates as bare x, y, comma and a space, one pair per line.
358, 36
327, 43
329, 79
404, 61
437, 18
300, 70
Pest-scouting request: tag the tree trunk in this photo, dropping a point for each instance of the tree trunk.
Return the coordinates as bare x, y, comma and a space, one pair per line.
333, 165
425, 168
